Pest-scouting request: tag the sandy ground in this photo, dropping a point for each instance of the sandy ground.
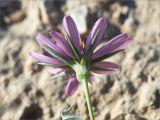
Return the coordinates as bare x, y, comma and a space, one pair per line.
27, 92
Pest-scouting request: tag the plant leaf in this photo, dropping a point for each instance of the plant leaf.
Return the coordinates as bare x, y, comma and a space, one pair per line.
71, 117
58, 75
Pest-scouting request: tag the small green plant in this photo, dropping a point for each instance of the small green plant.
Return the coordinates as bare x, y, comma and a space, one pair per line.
67, 114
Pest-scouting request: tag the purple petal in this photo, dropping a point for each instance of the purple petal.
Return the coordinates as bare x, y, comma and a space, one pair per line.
41, 39
45, 59
113, 67
119, 42
100, 25
57, 71
105, 64
70, 27
61, 42
72, 86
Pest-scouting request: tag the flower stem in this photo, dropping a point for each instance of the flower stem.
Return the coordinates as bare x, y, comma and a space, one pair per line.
88, 98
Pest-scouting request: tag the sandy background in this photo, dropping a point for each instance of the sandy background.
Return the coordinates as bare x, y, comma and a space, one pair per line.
28, 93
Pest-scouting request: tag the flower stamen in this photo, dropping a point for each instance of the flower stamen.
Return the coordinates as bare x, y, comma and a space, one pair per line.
83, 44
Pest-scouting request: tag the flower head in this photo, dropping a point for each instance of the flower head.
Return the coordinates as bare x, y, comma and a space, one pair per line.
70, 53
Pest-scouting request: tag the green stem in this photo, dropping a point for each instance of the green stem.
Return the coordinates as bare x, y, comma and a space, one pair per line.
88, 98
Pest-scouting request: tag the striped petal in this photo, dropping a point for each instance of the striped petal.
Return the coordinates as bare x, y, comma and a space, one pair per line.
72, 86
41, 39
61, 42
71, 29
118, 43
100, 25
57, 55
108, 65
45, 59
105, 67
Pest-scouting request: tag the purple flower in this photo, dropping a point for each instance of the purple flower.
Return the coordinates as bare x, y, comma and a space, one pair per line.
71, 54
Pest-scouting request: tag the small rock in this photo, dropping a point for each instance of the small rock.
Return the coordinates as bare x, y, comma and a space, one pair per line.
79, 14
16, 17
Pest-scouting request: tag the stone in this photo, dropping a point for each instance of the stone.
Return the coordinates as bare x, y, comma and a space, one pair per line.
79, 14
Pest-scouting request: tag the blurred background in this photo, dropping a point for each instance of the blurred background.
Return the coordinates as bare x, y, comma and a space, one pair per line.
27, 92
